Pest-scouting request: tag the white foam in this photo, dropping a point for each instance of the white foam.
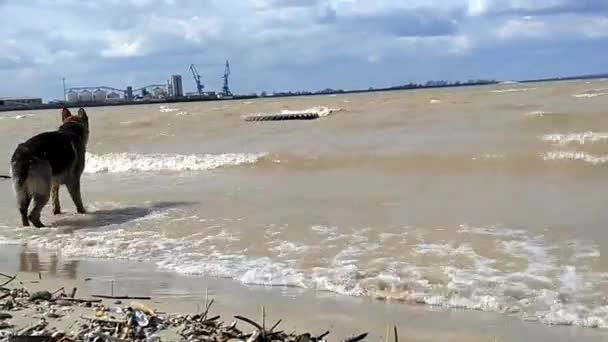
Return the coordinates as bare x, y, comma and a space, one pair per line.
462, 278
580, 138
512, 90
537, 113
575, 156
23, 116
489, 156
134, 162
589, 95
167, 109
492, 231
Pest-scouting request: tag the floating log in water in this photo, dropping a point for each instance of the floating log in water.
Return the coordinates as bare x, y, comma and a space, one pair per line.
122, 297
282, 117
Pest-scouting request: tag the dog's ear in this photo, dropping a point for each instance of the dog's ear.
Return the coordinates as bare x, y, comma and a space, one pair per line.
83, 115
65, 114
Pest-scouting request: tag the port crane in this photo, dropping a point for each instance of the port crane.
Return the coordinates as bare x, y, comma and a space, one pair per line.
197, 79
225, 88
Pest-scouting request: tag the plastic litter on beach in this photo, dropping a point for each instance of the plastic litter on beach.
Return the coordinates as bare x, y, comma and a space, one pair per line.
133, 322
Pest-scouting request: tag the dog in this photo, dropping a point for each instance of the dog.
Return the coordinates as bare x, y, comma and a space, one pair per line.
48, 160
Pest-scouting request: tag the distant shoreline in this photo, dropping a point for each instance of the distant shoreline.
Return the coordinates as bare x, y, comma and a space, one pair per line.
58, 105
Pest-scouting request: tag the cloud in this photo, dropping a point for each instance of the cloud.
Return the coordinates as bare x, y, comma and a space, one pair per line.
291, 43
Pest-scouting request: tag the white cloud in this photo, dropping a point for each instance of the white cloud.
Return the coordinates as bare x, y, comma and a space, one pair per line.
116, 38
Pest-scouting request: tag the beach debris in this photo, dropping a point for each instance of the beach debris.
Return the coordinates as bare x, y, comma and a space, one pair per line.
41, 295
122, 297
98, 320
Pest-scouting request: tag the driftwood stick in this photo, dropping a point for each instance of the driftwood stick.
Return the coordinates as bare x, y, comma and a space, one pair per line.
9, 281
323, 335
6, 275
245, 319
77, 300
208, 306
107, 337
276, 325
59, 290
106, 320
263, 320
356, 338
121, 297
388, 332
5, 177
206, 296
396, 334
73, 294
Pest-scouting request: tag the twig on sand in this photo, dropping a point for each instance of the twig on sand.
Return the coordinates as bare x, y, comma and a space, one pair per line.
276, 325
356, 338
121, 297
323, 335
208, 306
388, 333
77, 300
263, 320
396, 334
106, 320
107, 337
5, 176
6, 275
8, 281
245, 319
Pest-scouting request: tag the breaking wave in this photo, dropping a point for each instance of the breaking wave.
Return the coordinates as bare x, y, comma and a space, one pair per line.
575, 156
512, 90
134, 162
553, 285
589, 94
580, 138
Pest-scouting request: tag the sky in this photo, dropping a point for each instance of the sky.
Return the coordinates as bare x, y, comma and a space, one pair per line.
276, 45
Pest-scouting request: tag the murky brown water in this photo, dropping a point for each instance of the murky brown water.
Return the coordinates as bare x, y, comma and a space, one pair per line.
487, 198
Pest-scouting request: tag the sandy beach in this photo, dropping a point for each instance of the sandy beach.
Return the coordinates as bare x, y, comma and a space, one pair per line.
299, 309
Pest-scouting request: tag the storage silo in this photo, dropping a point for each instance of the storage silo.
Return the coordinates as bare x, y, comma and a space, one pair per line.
72, 96
85, 96
99, 95
159, 92
113, 96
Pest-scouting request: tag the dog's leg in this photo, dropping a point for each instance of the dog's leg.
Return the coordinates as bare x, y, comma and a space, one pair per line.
39, 184
40, 200
74, 190
55, 198
24, 200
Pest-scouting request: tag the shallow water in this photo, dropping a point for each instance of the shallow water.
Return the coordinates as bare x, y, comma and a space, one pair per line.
487, 198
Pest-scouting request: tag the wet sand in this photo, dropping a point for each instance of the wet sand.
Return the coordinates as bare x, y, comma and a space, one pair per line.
300, 309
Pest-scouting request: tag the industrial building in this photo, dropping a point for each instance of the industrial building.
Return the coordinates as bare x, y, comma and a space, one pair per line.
177, 90
172, 89
16, 101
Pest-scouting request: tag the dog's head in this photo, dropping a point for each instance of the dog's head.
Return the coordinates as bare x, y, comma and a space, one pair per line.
81, 118
79, 122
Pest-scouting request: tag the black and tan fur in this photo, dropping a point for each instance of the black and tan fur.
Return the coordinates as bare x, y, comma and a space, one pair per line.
48, 160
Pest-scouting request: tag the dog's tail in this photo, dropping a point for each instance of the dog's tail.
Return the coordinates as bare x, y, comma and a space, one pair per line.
20, 165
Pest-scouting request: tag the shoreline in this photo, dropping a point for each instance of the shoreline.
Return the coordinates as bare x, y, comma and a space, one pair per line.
301, 310
59, 105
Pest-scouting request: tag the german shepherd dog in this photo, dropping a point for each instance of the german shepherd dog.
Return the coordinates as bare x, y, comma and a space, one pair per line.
42, 164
